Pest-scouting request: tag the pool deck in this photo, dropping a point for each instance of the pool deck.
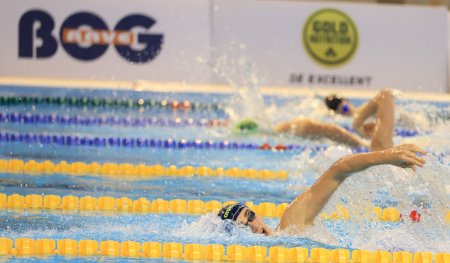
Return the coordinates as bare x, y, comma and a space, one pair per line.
142, 85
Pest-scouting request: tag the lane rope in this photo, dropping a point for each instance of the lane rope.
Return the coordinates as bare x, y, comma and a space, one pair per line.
111, 205
27, 247
130, 171
169, 143
29, 118
105, 102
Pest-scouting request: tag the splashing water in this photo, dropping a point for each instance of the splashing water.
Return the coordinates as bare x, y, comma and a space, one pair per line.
247, 102
423, 191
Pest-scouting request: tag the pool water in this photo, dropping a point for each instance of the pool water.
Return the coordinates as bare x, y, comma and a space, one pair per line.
426, 191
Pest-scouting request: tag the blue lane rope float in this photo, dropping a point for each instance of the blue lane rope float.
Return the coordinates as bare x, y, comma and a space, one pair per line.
28, 118
74, 140
107, 102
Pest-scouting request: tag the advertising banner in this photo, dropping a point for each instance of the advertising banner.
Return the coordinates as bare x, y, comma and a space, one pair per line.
320, 44
106, 39
448, 54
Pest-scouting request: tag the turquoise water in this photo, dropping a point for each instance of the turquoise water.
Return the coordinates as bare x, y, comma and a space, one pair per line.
426, 191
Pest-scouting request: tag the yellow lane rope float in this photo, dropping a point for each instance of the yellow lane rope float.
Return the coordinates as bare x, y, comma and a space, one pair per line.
127, 205
27, 247
111, 205
130, 171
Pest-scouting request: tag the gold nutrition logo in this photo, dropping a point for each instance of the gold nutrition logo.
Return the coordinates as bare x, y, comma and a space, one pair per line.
330, 37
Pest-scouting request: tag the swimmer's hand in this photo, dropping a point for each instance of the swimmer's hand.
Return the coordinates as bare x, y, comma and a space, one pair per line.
365, 130
405, 155
258, 226
266, 230
368, 129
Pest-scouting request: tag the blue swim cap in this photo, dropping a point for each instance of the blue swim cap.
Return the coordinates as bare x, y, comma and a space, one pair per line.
231, 211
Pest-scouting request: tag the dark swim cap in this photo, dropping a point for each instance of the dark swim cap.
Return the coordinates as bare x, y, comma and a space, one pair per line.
231, 211
333, 102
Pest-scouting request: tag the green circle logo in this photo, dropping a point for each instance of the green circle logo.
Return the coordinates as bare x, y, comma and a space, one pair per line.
330, 37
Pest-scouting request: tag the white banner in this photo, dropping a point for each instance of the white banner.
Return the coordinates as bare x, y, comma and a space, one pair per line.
323, 44
448, 50
106, 39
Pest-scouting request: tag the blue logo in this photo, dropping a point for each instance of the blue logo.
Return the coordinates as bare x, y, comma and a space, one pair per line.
85, 36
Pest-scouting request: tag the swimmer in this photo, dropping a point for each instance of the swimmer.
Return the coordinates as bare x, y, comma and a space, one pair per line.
307, 128
302, 211
381, 106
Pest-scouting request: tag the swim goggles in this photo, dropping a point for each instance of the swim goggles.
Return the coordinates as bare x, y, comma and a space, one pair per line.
251, 216
345, 107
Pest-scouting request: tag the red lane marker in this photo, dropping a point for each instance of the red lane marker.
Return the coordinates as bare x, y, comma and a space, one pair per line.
280, 147
265, 146
415, 216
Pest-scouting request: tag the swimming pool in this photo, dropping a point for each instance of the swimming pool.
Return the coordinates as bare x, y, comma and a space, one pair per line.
178, 151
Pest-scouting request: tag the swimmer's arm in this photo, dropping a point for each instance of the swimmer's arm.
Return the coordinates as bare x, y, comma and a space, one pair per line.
362, 113
368, 109
309, 204
316, 129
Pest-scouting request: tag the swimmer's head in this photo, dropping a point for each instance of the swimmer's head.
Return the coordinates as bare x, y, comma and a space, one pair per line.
247, 125
338, 104
242, 214
231, 211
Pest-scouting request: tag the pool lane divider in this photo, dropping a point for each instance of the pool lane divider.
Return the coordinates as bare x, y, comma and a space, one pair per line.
28, 118
19, 202
130, 171
97, 141
27, 247
111, 205
185, 105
